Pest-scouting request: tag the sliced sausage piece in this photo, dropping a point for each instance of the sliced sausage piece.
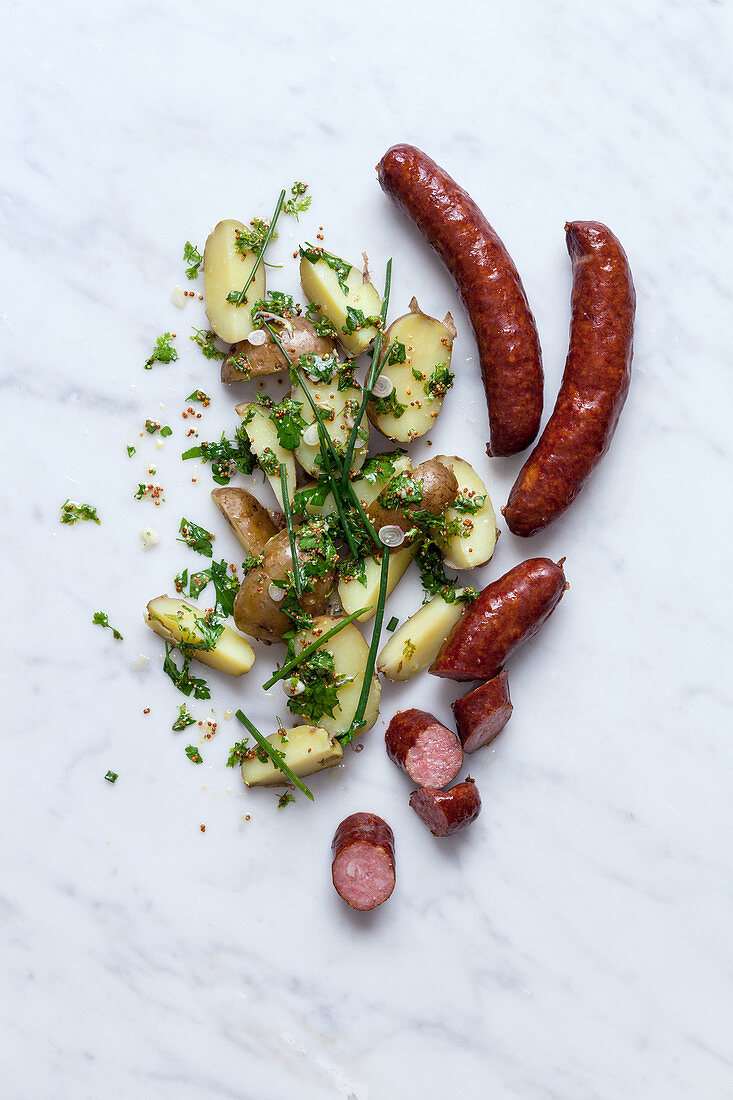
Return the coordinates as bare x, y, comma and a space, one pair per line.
507, 612
447, 812
594, 385
483, 713
363, 867
428, 751
489, 284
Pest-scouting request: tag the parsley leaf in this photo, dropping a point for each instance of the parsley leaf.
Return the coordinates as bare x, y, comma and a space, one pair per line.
181, 677
299, 202
163, 352
282, 305
237, 753
226, 456
199, 395
434, 581
226, 586
342, 269
194, 755
131, 450
111, 777
184, 719
319, 368
284, 799
380, 468
252, 239
288, 422
100, 619
192, 256
388, 404
400, 491
397, 353
206, 340
439, 382
320, 695
198, 538
71, 512
355, 320
323, 327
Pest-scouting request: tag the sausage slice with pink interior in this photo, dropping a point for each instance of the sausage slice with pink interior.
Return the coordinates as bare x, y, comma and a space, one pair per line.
428, 751
447, 812
363, 867
483, 713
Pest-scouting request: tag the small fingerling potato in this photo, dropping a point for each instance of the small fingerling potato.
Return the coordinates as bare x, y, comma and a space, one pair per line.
419, 370
262, 434
180, 623
343, 294
338, 410
350, 653
353, 594
247, 360
476, 545
226, 269
249, 520
416, 644
305, 750
438, 490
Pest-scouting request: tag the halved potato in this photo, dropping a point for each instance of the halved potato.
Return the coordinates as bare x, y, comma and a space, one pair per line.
412, 407
249, 520
350, 653
338, 409
175, 620
416, 644
353, 594
476, 545
305, 749
321, 285
262, 434
226, 269
247, 360
369, 490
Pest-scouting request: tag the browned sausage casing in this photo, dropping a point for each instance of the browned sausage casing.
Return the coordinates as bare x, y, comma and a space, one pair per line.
506, 613
489, 284
482, 714
363, 868
428, 751
594, 386
446, 812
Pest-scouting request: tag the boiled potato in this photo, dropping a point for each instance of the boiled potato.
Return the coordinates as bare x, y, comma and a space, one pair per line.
321, 285
476, 546
247, 360
415, 645
305, 749
439, 489
226, 269
412, 407
262, 435
353, 594
350, 653
338, 409
175, 620
249, 520
367, 490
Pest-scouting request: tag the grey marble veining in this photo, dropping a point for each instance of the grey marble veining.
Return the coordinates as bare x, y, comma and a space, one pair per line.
575, 943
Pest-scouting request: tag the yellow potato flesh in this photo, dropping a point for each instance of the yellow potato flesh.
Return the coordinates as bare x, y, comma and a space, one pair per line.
262, 435
350, 653
353, 594
175, 621
226, 270
305, 749
415, 645
338, 409
321, 286
476, 546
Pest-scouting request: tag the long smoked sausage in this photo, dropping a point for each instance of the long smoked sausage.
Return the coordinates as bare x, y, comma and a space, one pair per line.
506, 613
594, 385
489, 284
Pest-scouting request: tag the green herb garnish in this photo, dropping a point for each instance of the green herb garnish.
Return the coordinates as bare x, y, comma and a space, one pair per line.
200, 396
194, 755
226, 456
181, 677
355, 321
193, 257
163, 352
284, 799
111, 777
293, 662
198, 538
276, 757
131, 450
342, 269
71, 512
289, 423
206, 340
299, 203
389, 405
397, 353
259, 238
100, 619
439, 382
392, 624
184, 719
237, 753
323, 326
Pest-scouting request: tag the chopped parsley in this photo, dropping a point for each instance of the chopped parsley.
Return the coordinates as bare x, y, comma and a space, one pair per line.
342, 269
400, 491
282, 305
199, 395
323, 327
111, 777
389, 405
397, 353
198, 538
181, 677
288, 422
193, 257
312, 497
284, 799
237, 753
319, 368
206, 340
163, 352
194, 755
439, 382
299, 203
467, 504
226, 456
153, 426
321, 684
226, 585
71, 512
355, 320
380, 468
131, 450
269, 462
184, 719
252, 239
100, 619
433, 578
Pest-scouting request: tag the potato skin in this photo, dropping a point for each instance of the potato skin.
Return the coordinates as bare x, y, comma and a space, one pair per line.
250, 521
255, 611
440, 489
268, 359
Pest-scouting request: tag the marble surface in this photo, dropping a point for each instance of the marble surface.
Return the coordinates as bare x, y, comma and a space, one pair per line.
575, 944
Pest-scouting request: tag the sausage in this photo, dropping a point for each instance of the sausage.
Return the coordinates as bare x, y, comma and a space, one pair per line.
447, 812
489, 284
428, 751
363, 867
506, 613
594, 385
483, 713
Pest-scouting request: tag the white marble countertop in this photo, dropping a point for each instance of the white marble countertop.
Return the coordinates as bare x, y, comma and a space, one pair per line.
575, 943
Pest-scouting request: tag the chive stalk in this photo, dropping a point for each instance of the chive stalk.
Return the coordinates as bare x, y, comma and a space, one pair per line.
288, 667
240, 299
291, 530
358, 720
272, 753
